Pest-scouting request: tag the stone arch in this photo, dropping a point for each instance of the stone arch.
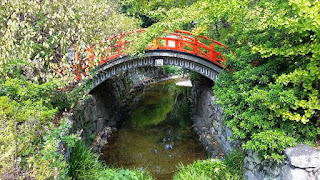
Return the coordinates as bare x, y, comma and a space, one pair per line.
157, 58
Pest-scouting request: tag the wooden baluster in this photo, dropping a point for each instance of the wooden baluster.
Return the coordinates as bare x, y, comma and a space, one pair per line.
195, 46
223, 60
158, 43
119, 46
212, 55
181, 46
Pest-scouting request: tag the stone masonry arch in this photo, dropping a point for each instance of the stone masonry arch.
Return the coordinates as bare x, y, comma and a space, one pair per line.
157, 58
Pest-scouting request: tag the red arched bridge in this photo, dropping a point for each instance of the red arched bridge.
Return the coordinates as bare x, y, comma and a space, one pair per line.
179, 48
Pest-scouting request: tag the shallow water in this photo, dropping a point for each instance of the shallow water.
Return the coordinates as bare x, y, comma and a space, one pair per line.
158, 134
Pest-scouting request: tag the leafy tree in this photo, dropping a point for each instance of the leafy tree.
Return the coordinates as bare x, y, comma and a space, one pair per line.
270, 87
151, 11
37, 37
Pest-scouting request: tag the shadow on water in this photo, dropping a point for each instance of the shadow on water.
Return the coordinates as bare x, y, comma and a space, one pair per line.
158, 135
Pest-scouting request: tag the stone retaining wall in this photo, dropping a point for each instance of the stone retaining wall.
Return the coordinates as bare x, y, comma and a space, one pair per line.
208, 121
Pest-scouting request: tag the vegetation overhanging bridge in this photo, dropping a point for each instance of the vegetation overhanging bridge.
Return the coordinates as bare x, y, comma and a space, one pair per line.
179, 48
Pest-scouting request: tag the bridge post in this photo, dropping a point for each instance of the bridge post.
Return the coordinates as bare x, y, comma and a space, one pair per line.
119, 45
195, 46
212, 55
176, 44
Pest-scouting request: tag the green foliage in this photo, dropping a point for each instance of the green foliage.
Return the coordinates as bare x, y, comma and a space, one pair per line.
194, 76
119, 174
28, 120
27, 135
84, 164
23, 127
171, 69
47, 161
230, 168
272, 143
253, 105
22, 91
151, 11
234, 162
47, 93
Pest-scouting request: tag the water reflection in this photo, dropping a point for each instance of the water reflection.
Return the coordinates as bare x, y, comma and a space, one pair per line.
158, 134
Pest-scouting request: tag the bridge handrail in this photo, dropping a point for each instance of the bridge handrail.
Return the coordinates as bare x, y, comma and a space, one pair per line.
183, 41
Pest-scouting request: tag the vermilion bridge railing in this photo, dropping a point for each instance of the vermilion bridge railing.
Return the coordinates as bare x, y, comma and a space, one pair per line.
179, 40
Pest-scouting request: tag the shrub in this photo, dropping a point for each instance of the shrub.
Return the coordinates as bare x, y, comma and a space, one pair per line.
27, 140
260, 112
47, 93
231, 168
47, 162
278, 97
21, 127
271, 143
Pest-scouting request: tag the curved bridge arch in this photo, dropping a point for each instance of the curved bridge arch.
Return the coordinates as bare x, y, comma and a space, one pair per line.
179, 48
151, 58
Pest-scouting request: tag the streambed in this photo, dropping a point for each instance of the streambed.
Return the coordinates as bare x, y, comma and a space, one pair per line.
157, 136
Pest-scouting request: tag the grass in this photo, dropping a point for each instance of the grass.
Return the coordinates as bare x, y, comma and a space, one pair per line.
231, 168
85, 165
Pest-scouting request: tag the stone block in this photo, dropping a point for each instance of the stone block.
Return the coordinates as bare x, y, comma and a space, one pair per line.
103, 142
227, 147
94, 113
317, 175
256, 158
249, 163
87, 113
100, 125
228, 132
303, 156
291, 173
249, 175
213, 100
316, 172
218, 139
212, 131
113, 121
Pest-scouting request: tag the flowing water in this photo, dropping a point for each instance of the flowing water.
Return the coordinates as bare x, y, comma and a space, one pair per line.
158, 135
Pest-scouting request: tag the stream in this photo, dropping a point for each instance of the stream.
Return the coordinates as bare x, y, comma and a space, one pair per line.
158, 134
